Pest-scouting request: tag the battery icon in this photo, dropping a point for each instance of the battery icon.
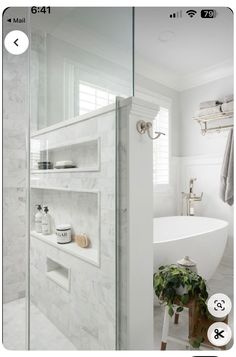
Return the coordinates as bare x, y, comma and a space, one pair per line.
208, 13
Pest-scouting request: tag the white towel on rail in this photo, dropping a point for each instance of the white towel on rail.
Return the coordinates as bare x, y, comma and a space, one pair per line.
228, 98
208, 111
209, 104
227, 107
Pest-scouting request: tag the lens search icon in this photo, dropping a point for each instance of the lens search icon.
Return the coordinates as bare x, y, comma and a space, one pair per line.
219, 305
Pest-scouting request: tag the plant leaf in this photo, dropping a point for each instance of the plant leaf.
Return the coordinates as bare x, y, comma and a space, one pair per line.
195, 344
171, 311
185, 299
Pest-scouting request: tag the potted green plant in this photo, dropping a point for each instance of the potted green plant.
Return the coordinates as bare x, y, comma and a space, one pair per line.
179, 285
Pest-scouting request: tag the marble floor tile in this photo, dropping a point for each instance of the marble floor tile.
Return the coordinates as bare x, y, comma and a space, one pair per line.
44, 334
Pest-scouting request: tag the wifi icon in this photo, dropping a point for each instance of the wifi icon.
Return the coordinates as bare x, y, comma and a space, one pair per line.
191, 13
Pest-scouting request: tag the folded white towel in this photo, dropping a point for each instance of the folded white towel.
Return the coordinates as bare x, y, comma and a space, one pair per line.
208, 111
228, 98
227, 107
209, 104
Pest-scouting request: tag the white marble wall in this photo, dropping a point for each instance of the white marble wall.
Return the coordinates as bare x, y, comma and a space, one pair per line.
15, 118
86, 313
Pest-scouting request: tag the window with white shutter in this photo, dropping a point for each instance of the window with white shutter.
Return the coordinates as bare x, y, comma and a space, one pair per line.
92, 97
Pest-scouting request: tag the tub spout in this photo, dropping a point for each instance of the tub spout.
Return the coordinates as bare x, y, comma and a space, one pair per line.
190, 198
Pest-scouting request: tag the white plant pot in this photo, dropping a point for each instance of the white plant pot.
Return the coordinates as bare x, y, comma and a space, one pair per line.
181, 290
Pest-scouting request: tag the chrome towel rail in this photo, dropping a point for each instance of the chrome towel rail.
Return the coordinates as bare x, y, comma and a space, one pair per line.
205, 120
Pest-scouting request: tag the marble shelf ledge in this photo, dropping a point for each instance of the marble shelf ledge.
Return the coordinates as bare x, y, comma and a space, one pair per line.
59, 171
66, 189
89, 255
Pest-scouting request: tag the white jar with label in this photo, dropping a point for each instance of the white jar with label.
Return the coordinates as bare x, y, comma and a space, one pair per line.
63, 233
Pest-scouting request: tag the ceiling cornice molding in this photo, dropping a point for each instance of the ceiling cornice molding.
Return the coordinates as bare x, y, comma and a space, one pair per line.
180, 83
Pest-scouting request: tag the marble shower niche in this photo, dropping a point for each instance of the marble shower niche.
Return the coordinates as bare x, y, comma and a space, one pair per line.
80, 209
84, 153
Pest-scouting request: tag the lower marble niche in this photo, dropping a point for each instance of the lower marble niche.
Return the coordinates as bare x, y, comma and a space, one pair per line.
80, 209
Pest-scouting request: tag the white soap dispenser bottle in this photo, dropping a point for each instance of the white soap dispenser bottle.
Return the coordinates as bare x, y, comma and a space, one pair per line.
45, 221
38, 219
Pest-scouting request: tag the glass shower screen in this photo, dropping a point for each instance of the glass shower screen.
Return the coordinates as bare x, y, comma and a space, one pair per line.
80, 61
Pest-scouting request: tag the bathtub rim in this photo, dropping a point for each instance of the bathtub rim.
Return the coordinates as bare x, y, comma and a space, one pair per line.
225, 225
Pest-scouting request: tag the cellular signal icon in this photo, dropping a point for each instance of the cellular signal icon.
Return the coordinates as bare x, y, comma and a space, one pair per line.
191, 13
176, 15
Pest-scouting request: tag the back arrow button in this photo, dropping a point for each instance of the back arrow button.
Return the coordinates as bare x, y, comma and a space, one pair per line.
16, 42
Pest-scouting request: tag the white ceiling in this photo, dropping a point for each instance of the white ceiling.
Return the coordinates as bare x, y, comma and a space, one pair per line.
197, 47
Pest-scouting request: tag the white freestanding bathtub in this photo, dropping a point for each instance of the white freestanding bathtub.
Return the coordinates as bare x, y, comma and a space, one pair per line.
202, 239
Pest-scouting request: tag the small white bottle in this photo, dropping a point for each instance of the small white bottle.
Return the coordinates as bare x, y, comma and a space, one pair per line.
45, 221
38, 219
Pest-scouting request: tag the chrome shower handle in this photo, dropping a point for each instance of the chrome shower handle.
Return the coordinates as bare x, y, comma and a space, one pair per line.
143, 127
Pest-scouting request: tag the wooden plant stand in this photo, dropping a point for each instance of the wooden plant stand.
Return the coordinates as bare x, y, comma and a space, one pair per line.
198, 326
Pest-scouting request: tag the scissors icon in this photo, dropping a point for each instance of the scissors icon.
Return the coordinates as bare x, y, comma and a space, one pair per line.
218, 334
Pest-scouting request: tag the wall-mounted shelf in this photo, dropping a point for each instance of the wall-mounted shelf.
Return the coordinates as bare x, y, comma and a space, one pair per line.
221, 119
89, 255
